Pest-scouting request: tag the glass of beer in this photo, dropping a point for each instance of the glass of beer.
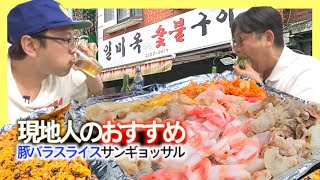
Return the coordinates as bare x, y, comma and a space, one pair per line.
89, 65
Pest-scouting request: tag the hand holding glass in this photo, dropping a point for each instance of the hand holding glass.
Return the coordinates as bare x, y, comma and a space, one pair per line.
89, 65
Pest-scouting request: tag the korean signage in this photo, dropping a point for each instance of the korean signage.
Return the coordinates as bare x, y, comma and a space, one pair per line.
196, 29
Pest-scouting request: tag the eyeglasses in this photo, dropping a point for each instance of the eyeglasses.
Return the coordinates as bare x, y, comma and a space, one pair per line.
71, 41
238, 43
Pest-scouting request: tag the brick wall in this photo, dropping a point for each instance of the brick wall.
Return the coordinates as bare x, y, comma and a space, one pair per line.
296, 15
150, 16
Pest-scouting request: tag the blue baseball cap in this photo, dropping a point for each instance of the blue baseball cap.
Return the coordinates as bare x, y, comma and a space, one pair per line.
37, 15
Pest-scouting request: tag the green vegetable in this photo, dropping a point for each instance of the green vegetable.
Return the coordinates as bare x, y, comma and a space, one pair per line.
240, 61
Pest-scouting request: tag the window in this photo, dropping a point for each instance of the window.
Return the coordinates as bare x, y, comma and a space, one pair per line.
112, 20
124, 14
108, 15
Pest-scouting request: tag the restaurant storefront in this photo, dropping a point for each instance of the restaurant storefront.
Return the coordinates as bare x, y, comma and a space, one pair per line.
181, 46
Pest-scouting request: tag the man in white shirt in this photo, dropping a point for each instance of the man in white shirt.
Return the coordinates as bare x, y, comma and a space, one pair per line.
258, 36
41, 59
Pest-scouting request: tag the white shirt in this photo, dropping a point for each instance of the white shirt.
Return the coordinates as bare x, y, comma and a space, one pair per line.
296, 74
54, 90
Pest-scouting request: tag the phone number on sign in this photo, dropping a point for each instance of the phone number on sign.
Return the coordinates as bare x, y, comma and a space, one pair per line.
150, 54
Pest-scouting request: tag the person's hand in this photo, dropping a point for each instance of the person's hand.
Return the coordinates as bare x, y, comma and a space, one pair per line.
248, 71
89, 50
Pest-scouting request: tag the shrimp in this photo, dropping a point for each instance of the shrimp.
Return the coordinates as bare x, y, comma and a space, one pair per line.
250, 151
218, 117
200, 170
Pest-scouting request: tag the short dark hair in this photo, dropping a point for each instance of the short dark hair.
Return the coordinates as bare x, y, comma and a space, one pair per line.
259, 20
15, 50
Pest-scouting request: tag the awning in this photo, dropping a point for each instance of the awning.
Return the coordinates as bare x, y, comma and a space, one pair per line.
202, 54
158, 65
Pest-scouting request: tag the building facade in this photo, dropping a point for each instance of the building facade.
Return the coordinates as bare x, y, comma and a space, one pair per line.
298, 29
175, 43
199, 39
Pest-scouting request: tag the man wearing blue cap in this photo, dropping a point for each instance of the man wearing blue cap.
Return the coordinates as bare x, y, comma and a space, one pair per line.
41, 58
